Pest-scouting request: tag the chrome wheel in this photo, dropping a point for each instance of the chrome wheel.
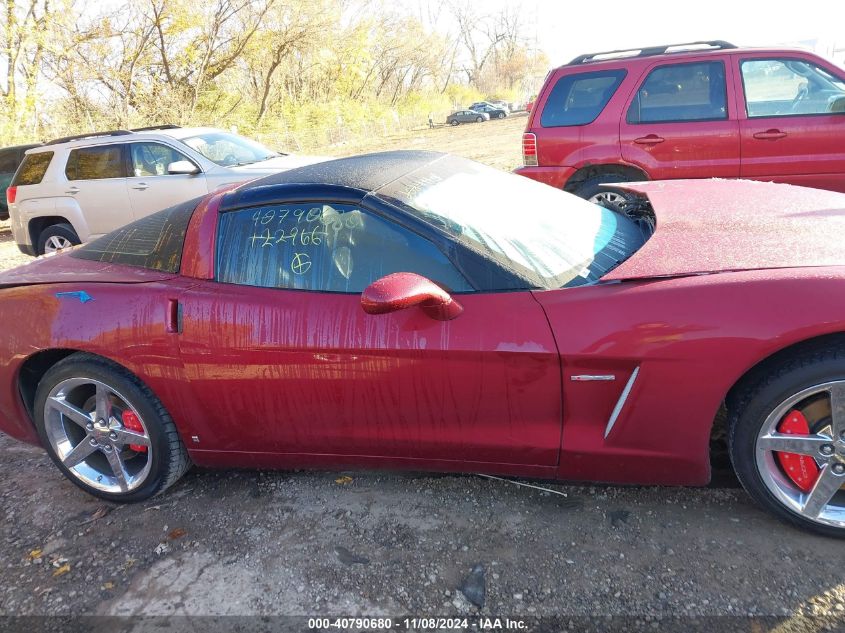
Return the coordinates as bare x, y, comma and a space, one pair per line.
56, 243
816, 492
607, 196
97, 435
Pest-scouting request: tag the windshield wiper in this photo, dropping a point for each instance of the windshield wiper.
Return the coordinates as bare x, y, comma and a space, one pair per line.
258, 160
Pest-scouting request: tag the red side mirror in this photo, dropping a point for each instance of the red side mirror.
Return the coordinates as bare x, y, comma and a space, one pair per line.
406, 290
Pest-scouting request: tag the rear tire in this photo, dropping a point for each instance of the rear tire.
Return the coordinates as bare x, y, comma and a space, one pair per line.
110, 460
55, 237
809, 383
501, 115
595, 190
453, 122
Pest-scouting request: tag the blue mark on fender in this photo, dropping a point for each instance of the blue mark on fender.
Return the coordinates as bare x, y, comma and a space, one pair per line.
83, 296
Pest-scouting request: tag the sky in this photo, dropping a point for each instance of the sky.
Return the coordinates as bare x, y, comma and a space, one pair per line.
565, 29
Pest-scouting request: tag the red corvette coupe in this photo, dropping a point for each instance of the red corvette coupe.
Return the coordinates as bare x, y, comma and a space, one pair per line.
418, 310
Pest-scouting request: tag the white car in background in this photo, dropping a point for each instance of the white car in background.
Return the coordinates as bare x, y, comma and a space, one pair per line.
77, 188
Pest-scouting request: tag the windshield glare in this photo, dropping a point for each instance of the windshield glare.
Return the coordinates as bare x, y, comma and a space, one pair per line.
550, 238
227, 149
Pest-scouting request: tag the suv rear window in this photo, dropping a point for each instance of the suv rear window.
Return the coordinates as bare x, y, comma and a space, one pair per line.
32, 169
579, 99
153, 242
681, 92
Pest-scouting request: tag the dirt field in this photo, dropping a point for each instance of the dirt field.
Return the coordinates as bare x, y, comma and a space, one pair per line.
321, 544
496, 143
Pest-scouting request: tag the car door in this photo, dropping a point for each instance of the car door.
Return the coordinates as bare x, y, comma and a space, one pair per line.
793, 124
680, 124
96, 180
150, 187
284, 360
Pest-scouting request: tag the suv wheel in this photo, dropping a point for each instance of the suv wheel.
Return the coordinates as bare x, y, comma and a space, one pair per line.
595, 190
56, 237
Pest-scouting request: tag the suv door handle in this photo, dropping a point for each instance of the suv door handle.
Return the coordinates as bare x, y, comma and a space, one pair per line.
650, 139
72, 189
140, 186
770, 135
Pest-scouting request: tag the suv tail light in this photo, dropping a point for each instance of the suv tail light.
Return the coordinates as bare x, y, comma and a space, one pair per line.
11, 194
529, 149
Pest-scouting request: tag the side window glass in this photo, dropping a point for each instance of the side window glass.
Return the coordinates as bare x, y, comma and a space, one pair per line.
579, 99
91, 163
152, 159
8, 162
323, 247
681, 92
784, 87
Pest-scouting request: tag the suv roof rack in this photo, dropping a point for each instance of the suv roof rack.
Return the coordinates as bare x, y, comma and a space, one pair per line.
76, 137
650, 51
149, 128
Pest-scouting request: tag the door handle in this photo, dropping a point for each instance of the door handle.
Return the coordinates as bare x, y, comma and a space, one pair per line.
72, 189
769, 135
140, 186
649, 139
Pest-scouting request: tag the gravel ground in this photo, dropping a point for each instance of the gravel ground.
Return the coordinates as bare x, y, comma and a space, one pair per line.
317, 543
371, 543
10, 256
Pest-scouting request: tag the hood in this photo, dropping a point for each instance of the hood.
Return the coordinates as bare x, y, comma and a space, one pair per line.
61, 268
708, 226
278, 163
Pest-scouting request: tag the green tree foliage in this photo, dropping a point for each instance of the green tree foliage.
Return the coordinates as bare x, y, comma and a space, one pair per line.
297, 73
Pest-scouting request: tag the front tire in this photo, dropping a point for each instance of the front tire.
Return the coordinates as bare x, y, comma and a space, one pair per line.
787, 440
106, 431
453, 122
56, 237
479, 119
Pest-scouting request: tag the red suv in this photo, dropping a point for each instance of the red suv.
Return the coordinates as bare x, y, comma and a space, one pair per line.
697, 110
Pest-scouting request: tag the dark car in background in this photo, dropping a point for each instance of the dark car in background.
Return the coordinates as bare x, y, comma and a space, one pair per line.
10, 160
495, 112
467, 116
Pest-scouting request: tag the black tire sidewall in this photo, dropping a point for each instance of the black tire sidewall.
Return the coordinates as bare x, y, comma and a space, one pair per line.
128, 386
63, 230
595, 185
479, 119
742, 438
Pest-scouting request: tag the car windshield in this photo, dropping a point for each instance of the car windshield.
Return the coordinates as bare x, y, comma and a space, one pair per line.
549, 238
227, 149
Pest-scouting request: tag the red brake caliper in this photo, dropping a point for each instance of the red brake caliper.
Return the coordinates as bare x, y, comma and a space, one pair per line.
131, 422
801, 469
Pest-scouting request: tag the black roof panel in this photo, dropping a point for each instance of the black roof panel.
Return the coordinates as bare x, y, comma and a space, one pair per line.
367, 172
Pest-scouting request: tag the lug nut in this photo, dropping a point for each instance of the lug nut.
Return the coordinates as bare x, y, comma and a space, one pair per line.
838, 468
90, 426
92, 442
826, 449
113, 435
107, 448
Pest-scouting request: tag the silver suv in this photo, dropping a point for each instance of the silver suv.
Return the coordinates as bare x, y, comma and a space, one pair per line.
77, 188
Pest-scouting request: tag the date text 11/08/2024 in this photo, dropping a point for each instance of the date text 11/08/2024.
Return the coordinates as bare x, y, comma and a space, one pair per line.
417, 624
